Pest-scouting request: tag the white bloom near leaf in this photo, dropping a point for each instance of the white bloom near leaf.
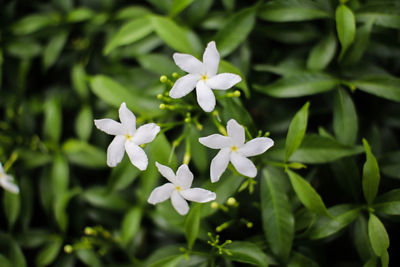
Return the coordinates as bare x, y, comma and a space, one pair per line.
203, 76
127, 138
234, 149
7, 181
179, 189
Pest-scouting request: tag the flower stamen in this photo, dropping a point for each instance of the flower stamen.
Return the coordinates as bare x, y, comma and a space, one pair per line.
128, 137
234, 148
204, 77
178, 188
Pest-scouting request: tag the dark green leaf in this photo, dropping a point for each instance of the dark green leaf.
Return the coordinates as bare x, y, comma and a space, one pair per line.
371, 176
81, 153
4, 262
52, 119
322, 53
297, 130
162, 151
285, 11
12, 206
49, 253
100, 197
131, 224
361, 239
192, 224
277, 216
79, 15
247, 252
178, 6
16, 255
89, 257
377, 235
24, 49
78, 79
59, 175
388, 203
345, 26
382, 86
84, 123
131, 12
307, 194
122, 175
33, 23
225, 66
300, 260
53, 48
199, 151
345, 122
157, 63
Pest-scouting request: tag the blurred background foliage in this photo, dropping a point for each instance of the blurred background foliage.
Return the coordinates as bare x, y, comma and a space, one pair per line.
328, 69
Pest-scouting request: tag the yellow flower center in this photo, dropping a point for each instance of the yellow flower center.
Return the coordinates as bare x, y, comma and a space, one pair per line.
204, 77
128, 137
234, 148
178, 188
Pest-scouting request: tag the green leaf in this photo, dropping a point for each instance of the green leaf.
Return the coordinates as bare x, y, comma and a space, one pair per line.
247, 252
225, 66
80, 14
130, 12
12, 206
33, 23
129, 33
342, 215
170, 261
49, 253
299, 85
377, 235
235, 31
78, 79
82, 154
385, 15
100, 197
178, 6
345, 26
322, 53
16, 255
53, 48
84, 123
297, 130
172, 34
361, 239
192, 224
59, 175
122, 175
299, 260
89, 257
371, 176
389, 164
199, 152
307, 194
286, 11
382, 86
131, 224
25, 49
388, 203
4, 262
52, 119
277, 216
161, 150
345, 122
157, 63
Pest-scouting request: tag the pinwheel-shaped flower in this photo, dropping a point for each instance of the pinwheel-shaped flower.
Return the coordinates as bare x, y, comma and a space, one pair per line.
127, 138
7, 181
203, 76
234, 149
179, 189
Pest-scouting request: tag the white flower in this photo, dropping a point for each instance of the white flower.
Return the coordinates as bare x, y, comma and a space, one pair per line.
179, 189
127, 138
234, 149
203, 76
7, 181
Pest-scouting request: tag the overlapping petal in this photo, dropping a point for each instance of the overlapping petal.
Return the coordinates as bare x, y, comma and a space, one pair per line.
127, 118
146, 133
205, 96
256, 146
161, 193
211, 59
219, 164
179, 203
215, 141
115, 151
7, 182
184, 85
137, 156
110, 126
184, 177
236, 132
223, 81
243, 165
198, 195
166, 172
188, 63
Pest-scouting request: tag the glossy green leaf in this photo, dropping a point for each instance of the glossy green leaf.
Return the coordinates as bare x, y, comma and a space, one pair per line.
382, 86
78, 79
52, 119
122, 175
131, 224
345, 26
286, 11
16, 255
235, 31
12, 207
247, 252
192, 224
129, 33
385, 15
24, 49
300, 260
322, 53
178, 6
307, 194
84, 123
59, 175
53, 48
131, 12
170, 261
225, 66
371, 176
83, 154
89, 257
100, 197
299, 85
49, 253
377, 235
157, 63
80, 14
388, 203
277, 216
297, 130
199, 151
361, 239
162, 151
33, 23
345, 121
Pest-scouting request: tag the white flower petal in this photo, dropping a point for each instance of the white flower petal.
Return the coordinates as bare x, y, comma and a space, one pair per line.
243, 165
166, 172
198, 195
1, 166
161, 193
256, 146
110, 126
216, 141
188, 63
184, 85
219, 164
211, 59
127, 118
115, 151
7, 184
223, 81
137, 156
145, 133
179, 203
184, 177
205, 96
236, 132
